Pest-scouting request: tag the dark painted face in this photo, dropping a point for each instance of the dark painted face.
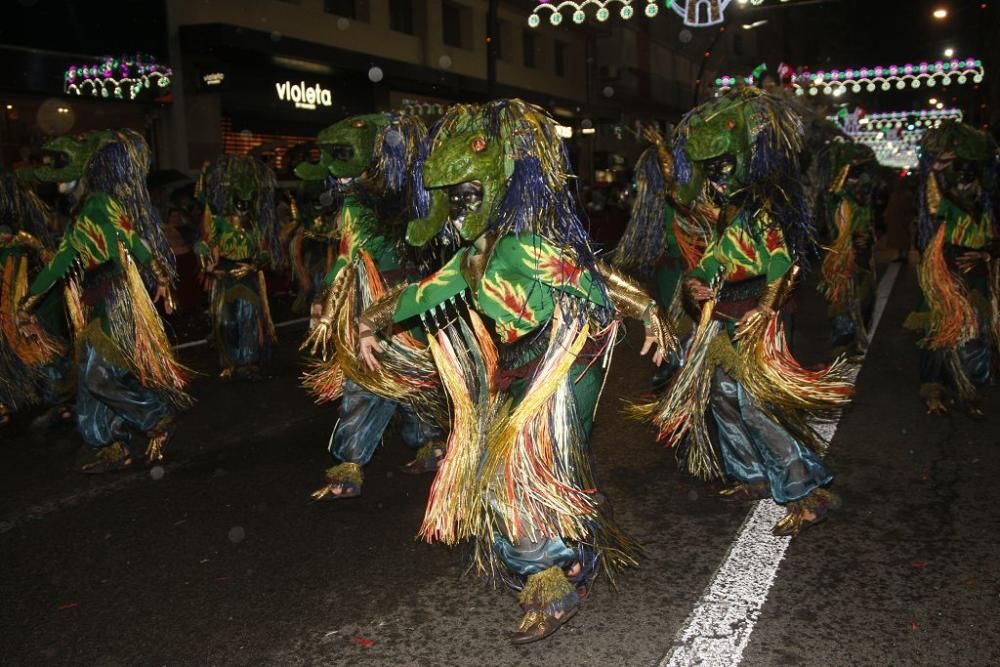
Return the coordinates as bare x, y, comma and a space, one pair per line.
857, 185
959, 180
463, 199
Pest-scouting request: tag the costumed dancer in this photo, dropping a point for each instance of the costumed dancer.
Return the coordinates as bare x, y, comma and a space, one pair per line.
847, 278
370, 160
129, 385
313, 245
240, 240
33, 369
737, 369
960, 246
517, 478
663, 238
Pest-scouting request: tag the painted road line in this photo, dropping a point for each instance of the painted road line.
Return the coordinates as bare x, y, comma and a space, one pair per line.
279, 325
718, 630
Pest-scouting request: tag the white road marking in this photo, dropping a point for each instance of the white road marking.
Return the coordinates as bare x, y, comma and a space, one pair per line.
718, 630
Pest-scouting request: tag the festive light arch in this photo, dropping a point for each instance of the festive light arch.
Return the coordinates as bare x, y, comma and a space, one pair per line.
872, 79
695, 13
119, 78
604, 8
897, 119
895, 136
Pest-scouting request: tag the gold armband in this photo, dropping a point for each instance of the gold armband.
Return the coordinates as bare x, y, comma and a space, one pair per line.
335, 295
378, 316
30, 241
159, 271
628, 297
777, 292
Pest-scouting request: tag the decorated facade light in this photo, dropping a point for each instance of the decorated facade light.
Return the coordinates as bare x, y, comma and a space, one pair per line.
695, 13
884, 78
577, 10
124, 78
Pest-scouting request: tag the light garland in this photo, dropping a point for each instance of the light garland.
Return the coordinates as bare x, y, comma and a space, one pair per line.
899, 150
119, 78
696, 13
871, 79
897, 119
579, 7
894, 136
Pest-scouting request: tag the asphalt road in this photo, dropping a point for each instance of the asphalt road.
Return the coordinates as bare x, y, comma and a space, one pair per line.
220, 558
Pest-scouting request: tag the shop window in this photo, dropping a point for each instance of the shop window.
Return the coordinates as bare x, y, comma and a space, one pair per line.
274, 149
456, 25
348, 9
559, 53
530, 45
401, 16
503, 39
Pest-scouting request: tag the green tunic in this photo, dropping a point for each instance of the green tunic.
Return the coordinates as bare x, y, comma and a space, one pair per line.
518, 288
741, 255
92, 241
358, 227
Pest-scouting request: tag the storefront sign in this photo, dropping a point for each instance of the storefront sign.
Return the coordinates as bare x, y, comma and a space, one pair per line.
303, 96
213, 78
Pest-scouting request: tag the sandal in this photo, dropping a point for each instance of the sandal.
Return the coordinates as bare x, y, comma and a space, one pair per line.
537, 624
112, 458
818, 504
342, 481
337, 491
428, 459
549, 600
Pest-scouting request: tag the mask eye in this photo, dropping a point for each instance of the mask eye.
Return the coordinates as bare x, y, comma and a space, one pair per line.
478, 144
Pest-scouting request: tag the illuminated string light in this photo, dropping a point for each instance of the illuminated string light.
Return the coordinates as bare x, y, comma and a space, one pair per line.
695, 13
895, 136
872, 79
602, 10
119, 78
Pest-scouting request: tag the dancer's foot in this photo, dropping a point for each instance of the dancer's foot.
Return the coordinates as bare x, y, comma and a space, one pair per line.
975, 410
549, 599
537, 624
112, 458
337, 491
809, 511
342, 481
935, 406
428, 459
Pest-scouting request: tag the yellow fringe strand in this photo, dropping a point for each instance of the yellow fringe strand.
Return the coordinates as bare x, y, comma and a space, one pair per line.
142, 342
38, 348
841, 259
953, 318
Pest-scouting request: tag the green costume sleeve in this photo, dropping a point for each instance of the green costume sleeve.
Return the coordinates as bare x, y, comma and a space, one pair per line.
357, 225
433, 290
536, 258
57, 267
778, 259
203, 248
708, 267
